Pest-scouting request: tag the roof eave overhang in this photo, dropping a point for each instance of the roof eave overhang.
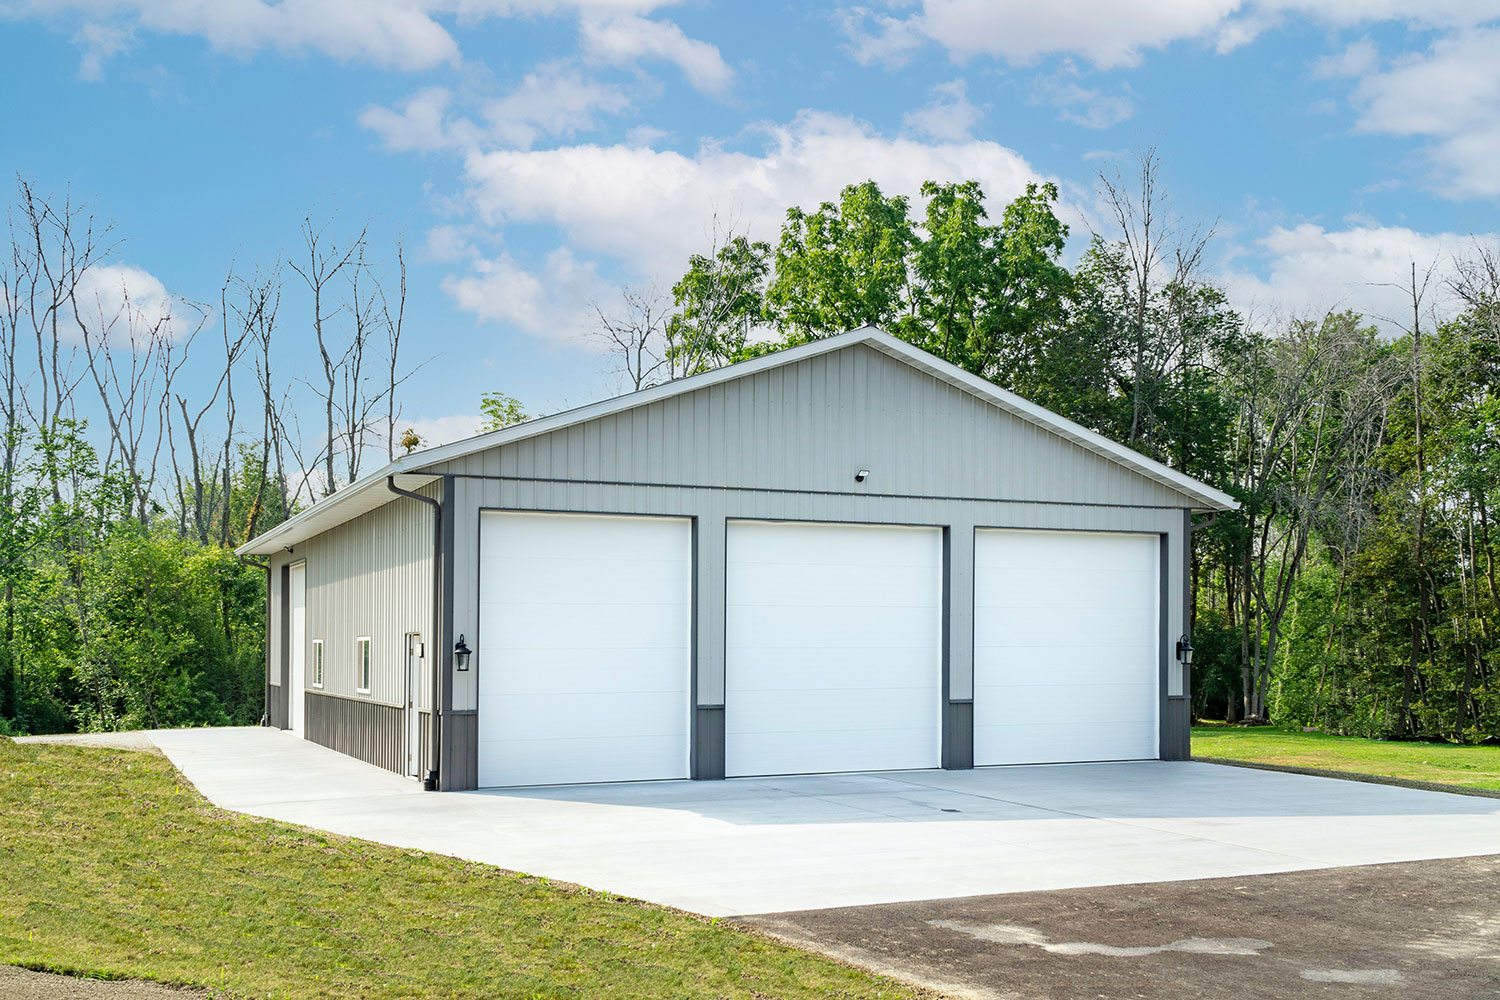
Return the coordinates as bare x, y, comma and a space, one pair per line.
367, 494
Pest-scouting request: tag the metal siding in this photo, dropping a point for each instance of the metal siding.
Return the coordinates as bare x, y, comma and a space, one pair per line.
960, 610
782, 444
1177, 715
958, 735
713, 507
371, 576
370, 731
810, 425
460, 764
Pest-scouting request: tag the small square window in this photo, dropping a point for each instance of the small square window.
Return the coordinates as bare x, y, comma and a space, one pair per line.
362, 664
317, 663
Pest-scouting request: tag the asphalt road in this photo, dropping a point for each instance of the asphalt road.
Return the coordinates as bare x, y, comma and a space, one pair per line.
1411, 930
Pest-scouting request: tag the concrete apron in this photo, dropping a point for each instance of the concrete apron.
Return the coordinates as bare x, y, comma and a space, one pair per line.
757, 845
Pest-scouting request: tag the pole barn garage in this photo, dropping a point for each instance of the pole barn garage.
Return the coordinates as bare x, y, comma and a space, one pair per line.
845, 556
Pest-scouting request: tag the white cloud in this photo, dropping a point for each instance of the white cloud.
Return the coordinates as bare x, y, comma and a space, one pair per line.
638, 212
436, 431
420, 124
401, 34
448, 242
551, 303
1356, 59
100, 42
476, 9
1432, 14
1307, 270
105, 292
1449, 94
648, 208
551, 100
1076, 103
625, 39
1106, 32
949, 116
873, 37
1111, 33
645, 135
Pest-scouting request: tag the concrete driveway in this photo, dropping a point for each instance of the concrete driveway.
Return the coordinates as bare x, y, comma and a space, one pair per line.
758, 845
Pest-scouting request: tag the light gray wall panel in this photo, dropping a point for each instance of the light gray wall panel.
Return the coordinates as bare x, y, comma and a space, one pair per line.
711, 508
371, 576
812, 424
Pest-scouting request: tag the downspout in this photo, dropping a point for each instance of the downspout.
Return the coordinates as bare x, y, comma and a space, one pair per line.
434, 714
265, 683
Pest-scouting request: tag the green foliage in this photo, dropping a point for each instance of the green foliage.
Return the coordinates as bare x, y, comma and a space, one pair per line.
844, 266
166, 626
500, 410
112, 623
1216, 665
719, 302
1355, 590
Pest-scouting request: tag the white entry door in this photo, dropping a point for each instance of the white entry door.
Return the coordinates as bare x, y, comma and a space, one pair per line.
583, 649
834, 648
1067, 646
296, 647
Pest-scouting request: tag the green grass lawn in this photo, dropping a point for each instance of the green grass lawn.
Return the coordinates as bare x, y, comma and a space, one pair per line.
1471, 767
113, 865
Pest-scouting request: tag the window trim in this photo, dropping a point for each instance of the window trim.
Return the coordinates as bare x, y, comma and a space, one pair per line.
317, 664
363, 668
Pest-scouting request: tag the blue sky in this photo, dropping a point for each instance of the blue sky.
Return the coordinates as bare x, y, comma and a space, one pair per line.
533, 155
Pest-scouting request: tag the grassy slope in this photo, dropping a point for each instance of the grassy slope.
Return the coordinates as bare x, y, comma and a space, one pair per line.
112, 864
1475, 767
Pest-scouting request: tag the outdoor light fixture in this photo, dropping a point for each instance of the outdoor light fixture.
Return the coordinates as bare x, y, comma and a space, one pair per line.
861, 475
461, 654
1185, 651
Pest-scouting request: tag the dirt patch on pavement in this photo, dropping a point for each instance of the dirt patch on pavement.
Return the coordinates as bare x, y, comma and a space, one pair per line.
1414, 930
24, 984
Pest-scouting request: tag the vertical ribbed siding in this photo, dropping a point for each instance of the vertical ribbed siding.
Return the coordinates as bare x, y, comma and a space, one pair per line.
372, 576
372, 732
460, 751
811, 425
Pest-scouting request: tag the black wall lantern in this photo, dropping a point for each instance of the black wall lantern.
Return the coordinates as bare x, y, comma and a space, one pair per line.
462, 652
1185, 651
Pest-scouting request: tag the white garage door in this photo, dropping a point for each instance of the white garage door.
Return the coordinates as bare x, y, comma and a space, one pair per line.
583, 648
1067, 646
833, 642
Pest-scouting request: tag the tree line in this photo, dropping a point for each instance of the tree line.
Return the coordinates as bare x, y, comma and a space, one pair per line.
1354, 590
146, 438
